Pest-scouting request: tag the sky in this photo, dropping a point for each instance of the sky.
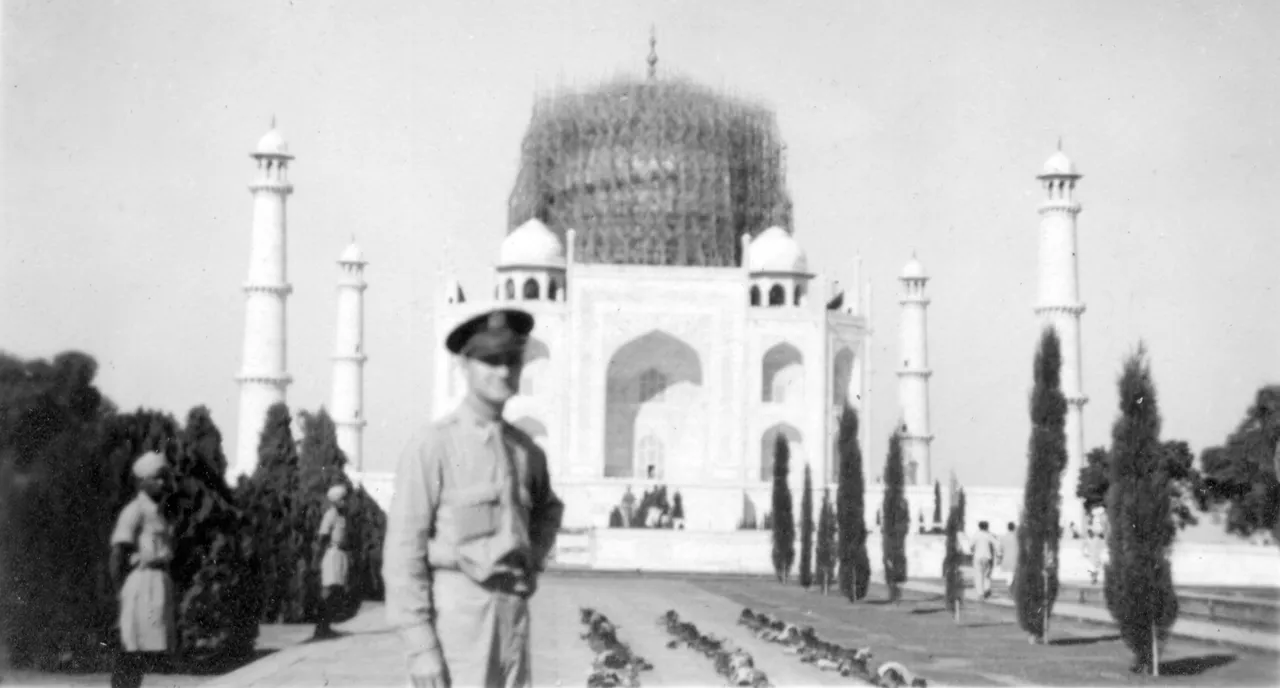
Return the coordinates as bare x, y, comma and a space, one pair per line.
910, 126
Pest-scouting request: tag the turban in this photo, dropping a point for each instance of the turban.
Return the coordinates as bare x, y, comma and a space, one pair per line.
149, 465
337, 492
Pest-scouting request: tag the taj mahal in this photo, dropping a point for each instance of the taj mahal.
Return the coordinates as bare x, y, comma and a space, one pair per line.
679, 329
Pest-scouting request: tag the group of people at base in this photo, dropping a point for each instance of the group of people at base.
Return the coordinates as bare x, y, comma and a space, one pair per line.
996, 558
142, 547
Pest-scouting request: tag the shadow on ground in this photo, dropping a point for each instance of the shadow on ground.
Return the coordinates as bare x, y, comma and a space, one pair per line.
1086, 640
216, 667
1194, 666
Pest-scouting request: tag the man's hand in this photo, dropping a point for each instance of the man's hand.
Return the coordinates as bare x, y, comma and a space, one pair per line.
427, 670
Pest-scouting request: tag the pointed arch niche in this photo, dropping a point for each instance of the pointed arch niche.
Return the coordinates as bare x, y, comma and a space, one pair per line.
841, 378
655, 406
782, 379
767, 444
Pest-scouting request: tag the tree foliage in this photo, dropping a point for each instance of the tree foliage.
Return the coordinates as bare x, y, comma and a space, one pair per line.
270, 496
1175, 459
825, 554
897, 518
951, 574
784, 529
1036, 574
1241, 472
56, 602
1139, 579
66, 468
806, 530
855, 566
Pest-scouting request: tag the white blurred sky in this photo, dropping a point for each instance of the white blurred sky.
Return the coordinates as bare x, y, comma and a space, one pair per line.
126, 218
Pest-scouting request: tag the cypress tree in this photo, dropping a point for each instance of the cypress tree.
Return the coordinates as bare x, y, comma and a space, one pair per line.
951, 574
1036, 574
270, 497
897, 519
825, 554
855, 566
784, 531
960, 501
806, 530
1139, 579
214, 568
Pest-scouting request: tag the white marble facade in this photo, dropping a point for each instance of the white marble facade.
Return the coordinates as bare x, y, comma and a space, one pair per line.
678, 376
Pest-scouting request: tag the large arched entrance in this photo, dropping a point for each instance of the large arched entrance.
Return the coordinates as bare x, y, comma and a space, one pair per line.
654, 406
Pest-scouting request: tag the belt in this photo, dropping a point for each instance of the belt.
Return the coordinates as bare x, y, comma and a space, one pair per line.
155, 565
510, 582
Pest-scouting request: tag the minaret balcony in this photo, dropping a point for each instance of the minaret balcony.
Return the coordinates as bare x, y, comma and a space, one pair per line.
915, 372
279, 289
358, 358
913, 299
1072, 308
1078, 401
279, 380
1056, 206
277, 185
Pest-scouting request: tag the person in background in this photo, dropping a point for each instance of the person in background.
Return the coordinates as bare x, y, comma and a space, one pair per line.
986, 552
141, 549
1009, 558
335, 563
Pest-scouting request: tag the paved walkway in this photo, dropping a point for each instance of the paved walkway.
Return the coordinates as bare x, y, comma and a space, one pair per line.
1194, 629
986, 650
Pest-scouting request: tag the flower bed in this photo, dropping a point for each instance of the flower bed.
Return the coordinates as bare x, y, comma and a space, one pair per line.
735, 664
615, 664
849, 662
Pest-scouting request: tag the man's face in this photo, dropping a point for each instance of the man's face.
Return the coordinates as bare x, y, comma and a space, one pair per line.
494, 378
159, 485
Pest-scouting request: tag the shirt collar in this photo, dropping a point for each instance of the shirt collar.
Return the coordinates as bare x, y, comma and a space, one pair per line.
472, 415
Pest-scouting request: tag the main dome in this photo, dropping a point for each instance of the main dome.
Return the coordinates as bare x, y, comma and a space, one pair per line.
654, 172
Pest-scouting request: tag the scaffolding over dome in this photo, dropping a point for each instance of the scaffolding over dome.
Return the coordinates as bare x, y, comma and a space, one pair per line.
653, 172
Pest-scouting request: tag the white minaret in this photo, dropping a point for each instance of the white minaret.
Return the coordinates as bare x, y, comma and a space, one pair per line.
913, 376
348, 359
1059, 306
263, 380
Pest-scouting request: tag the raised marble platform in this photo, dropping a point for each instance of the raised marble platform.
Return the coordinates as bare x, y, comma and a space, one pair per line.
618, 549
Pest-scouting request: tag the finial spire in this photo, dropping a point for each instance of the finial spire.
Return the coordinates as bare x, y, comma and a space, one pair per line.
1059, 143
273, 120
653, 52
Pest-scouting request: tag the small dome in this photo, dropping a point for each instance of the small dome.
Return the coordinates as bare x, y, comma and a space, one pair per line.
353, 254
775, 250
914, 269
1059, 163
532, 245
272, 143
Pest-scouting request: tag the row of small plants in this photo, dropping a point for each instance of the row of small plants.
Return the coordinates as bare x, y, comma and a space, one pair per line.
848, 662
615, 665
734, 664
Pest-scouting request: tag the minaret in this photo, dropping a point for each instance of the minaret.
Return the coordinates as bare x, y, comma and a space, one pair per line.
263, 380
348, 359
1059, 306
913, 376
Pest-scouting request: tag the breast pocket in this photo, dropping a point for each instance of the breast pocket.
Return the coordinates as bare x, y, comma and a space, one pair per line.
475, 513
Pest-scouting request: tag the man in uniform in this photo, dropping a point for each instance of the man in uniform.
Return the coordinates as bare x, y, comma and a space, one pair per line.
471, 523
334, 563
141, 549
986, 553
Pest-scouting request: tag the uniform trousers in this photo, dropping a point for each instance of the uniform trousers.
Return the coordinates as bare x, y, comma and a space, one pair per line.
483, 632
982, 567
